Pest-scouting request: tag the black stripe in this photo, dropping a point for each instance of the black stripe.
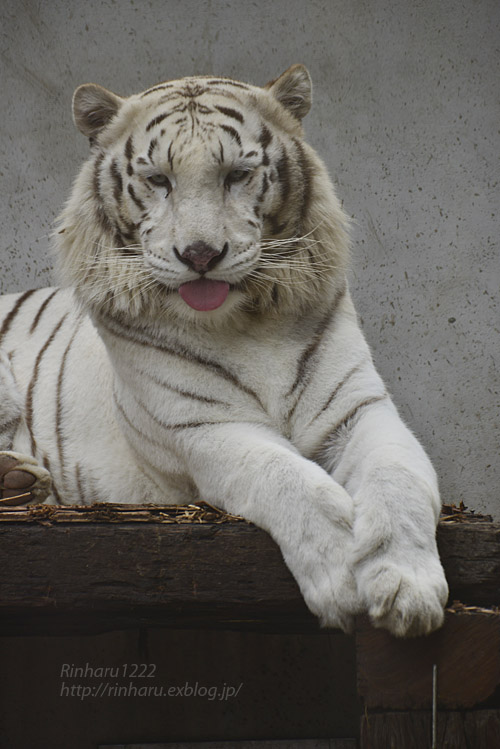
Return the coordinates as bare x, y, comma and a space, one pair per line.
34, 377
100, 210
97, 174
350, 373
283, 169
188, 425
232, 132
152, 146
78, 478
59, 405
308, 353
192, 90
175, 426
181, 391
202, 109
264, 188
306, 361
5, 425
231, 113
307, 170
129, 148
265, 137
170, 97
97, 190
276, 227
7, 432
9, 318
329, 438
87, 494
139, 337
170, 156
160, 87
40, 312
103, 219
46, 465
134, 427
159, 118
117, 181
227, 82
355, 411
136, 200
129, 232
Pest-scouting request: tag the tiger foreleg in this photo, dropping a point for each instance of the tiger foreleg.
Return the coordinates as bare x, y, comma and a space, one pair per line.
395, 559
251, 471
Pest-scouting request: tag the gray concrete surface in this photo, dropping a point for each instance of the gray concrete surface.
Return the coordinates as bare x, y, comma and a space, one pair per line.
407, 117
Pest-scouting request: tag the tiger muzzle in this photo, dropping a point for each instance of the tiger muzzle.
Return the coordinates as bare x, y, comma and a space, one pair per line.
200, 256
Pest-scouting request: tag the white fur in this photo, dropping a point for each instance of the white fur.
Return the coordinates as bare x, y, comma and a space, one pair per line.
356, 520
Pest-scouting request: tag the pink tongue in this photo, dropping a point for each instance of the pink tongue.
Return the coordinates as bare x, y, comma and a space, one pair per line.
204, 294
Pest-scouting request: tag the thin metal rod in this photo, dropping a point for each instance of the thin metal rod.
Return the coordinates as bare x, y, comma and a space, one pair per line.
434, 706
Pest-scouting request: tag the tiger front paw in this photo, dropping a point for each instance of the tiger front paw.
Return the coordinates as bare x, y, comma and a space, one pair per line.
408, 600
22, 480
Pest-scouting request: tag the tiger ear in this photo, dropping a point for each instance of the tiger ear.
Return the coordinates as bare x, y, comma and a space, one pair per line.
93, 108
293, 89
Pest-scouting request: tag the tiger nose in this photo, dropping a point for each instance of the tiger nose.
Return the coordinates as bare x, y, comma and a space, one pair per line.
200, 256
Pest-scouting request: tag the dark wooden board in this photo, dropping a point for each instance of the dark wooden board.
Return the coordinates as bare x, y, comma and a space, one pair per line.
398, 674
66, 570
290, 744
101, 576
479, 729
470, 551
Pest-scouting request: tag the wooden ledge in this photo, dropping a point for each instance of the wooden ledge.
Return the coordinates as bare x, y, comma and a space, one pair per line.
397, 674
107, 567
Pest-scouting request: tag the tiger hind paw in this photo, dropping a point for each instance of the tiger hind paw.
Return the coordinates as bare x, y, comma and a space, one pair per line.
22, 480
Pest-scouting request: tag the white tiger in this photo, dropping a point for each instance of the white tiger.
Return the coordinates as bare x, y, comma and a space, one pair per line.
207, 347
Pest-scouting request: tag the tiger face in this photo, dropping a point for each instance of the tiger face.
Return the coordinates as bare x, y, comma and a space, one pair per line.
200, 196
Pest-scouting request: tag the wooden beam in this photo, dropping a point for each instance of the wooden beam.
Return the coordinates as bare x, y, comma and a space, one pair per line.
479, 729
65, 570
397, 674
470, 551
68, 573
290, 744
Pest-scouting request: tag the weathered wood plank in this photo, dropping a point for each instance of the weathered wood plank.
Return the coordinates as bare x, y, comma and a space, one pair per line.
96, 577
471, 557
479, 729
290, 744
96, 569
398, 674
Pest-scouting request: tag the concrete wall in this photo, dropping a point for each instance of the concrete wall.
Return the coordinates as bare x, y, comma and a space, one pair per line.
407, 117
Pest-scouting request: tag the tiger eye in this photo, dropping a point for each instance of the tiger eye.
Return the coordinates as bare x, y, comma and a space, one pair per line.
235, 176
160, 180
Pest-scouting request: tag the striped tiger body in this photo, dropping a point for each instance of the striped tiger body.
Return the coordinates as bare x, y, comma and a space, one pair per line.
206, 345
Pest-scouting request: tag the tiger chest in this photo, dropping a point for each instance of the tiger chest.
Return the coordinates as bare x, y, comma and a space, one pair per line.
239, 378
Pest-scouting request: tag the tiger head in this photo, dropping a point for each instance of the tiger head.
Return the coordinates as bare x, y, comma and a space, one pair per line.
200, 199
